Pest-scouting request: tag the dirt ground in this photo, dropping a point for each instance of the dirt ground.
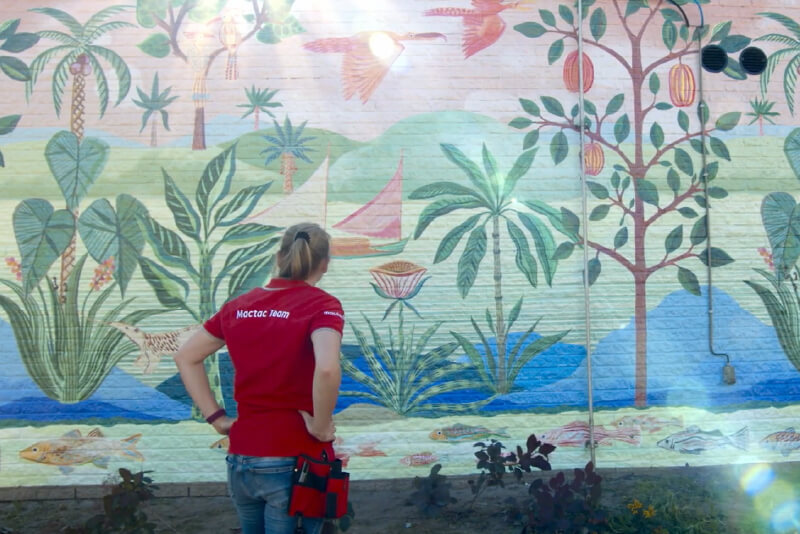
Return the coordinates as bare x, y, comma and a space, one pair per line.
380, 506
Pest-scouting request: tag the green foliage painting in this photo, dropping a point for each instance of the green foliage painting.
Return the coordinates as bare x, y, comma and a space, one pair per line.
491, 201
653, 176
193, 286
64, 339
16, 69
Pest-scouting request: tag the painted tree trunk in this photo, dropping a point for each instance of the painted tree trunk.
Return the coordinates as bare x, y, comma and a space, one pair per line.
199, 96
256, 124
153, 132
500, 325
288, 169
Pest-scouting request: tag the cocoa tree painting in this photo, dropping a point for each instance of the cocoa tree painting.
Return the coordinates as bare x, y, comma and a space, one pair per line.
654, 180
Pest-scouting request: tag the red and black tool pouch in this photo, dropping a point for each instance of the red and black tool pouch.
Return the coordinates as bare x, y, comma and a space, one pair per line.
319, 488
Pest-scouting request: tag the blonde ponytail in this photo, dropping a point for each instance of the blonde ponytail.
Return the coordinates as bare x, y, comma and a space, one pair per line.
303, 248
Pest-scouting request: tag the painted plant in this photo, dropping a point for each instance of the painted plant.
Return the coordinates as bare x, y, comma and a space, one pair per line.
491, 202
405, 375
199, 32
213, 223
654, 177
61, 328
16, 69
154, 106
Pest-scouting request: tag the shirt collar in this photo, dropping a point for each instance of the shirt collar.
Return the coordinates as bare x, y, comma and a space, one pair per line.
285, 283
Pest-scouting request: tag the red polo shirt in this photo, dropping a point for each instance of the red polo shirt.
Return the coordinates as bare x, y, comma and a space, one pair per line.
268, 335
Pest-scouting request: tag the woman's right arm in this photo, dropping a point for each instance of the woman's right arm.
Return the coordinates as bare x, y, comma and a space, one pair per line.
327, 379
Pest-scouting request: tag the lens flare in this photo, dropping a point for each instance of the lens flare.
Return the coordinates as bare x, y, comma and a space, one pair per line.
756, 479
786, 517
381, 45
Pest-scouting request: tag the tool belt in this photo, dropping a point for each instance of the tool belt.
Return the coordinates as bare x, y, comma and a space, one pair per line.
319, 489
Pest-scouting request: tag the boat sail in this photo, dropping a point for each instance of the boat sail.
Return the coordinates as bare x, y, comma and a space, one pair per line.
379, 218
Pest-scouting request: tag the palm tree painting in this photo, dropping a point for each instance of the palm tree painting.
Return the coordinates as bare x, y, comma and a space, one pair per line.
791, 51
80, 58
762, 111
258, 101
289, 144
155, 102
491, 201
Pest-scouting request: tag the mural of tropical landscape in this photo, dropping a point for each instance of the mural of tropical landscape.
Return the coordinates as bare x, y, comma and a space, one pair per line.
152, 155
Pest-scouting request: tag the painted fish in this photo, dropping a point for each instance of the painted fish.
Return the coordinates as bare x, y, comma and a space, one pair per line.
576, 434
647, 423
74, 449
420, 458
783, 442
692, 440
221, 444
459, 432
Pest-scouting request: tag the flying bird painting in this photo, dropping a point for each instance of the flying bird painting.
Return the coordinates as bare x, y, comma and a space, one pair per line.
482, 24
368, 56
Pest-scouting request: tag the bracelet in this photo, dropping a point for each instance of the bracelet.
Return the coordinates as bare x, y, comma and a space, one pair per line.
216, 415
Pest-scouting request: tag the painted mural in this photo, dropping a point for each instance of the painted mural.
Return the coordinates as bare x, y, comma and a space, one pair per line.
153, 153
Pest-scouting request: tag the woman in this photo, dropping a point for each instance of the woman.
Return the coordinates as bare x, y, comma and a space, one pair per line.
284, 341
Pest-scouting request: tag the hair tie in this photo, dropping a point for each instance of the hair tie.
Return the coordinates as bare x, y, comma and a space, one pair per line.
302, 235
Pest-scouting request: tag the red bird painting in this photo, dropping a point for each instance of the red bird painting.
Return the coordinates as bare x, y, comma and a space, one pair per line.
482, 24
368, 56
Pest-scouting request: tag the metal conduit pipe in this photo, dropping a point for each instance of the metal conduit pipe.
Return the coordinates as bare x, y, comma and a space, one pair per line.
585, 224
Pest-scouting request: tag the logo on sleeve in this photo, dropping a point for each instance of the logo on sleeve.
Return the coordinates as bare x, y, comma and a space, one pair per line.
337, 314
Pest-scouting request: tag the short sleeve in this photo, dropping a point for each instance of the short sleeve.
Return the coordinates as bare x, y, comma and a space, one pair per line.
214, 325
330, 315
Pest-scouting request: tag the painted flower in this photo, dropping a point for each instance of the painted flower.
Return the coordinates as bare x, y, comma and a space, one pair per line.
398, 280
767, 256
103, 274
15, 267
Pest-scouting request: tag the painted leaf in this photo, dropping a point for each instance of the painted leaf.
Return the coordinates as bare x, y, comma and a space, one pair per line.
621, 238
8, 27
520, 123
563, 251
453, 238
75, 164
684, 162
673, 180
715, 257
108, 233
598, 23
687, 212
544, 243
531, 29
442, 207
547, 17
720, 31
15, 69
728, 121
734, 43
559, 147
555, 51
683, 121
717, 192
594, 270
655, 83
688, 281
520, 168
186, 218
553, 106
156, 45
699, 231
599, 212
530, 106
208, 194
598, 190
469, 167
436, 189
523, 258
615, 104
19, 42
719, 148
250, 275
734, 70
571, 223
791, 147
647, 191
470, 260
42, 235
669, 34
566, 14
656, 135
531, 138
148, 10
674, 239
167, 245
622, 128
242, 234
9, 123
171, 291
781, 217
240, 206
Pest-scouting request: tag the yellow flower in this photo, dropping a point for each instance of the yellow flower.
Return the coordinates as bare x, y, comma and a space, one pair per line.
634, 506
649, 512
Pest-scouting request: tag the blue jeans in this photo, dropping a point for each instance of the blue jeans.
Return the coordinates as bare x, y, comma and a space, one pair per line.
260, 490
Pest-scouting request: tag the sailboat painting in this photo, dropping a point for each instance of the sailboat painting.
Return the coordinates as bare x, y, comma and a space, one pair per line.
379, 219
